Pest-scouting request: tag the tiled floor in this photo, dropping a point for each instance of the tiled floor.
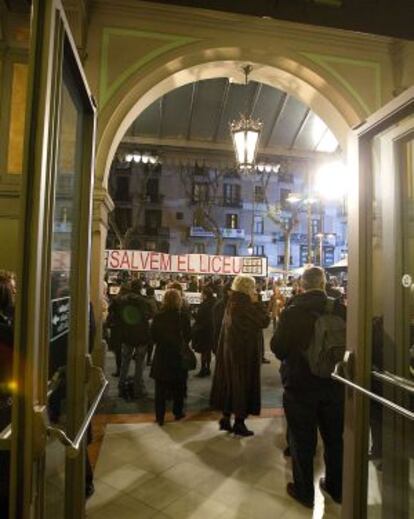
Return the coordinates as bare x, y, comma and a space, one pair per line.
191, 470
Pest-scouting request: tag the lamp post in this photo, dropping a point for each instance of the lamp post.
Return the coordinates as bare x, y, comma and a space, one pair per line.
320, 236
297, 199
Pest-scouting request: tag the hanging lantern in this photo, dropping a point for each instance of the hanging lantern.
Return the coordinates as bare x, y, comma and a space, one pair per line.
245, 134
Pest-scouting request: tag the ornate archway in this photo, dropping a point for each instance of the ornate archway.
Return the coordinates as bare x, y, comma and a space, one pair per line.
325, 97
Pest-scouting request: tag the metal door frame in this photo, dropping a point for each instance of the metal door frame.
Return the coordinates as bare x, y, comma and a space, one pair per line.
51, 47
360, 300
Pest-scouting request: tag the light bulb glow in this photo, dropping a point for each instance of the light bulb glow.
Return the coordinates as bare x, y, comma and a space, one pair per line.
332, 181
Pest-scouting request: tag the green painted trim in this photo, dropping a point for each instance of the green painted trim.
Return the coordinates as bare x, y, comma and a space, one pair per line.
323, 60
174, 41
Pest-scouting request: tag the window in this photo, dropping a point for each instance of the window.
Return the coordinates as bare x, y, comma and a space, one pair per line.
258, 225
303, 255
230, 250
152, 189
152, 220
287, 178
284, 195
259, 194
286, 222
122, 188
179, 216
200, 192
281, 260
200, 170
231, 194
199, 248
328, 256
123, 218
258, 250
232, 221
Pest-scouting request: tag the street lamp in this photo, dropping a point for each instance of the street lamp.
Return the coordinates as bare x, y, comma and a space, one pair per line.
332, 180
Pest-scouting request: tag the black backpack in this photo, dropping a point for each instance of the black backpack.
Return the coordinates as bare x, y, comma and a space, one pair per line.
328, 343
134, 313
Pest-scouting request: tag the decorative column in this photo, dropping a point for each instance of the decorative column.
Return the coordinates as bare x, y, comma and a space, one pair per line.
102, 206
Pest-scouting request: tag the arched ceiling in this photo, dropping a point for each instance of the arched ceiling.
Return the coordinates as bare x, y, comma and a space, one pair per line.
198, 115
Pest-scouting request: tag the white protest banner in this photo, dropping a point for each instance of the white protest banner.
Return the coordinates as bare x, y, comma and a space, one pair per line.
192, 298
150, 261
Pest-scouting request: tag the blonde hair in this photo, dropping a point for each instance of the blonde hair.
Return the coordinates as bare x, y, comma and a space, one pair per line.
172, 299
244, 284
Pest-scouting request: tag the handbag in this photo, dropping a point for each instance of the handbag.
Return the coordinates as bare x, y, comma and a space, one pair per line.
189, 360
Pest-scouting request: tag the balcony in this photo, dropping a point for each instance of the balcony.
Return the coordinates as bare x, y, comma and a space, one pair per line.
154, 198
233, 233
153, 231
232, 202
200, 232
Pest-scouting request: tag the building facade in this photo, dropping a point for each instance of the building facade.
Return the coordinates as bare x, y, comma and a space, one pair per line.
187, 205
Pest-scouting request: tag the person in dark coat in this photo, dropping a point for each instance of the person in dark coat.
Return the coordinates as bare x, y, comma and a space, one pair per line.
155, 306
236, 383
171, 332
114, 327
218, 314
7, 291
202, 332
185, 307
310, 402
135, 314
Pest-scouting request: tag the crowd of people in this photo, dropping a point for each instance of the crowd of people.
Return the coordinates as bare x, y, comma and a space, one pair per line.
229, 324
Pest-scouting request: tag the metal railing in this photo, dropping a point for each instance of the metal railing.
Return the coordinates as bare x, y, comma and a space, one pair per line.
73, 446
395, 380
385, 402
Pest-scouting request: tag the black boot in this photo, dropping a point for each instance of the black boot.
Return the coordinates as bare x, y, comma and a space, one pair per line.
241, 430
225, 424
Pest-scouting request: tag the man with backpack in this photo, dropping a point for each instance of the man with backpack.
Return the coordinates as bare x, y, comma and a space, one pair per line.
309, 340
133, 314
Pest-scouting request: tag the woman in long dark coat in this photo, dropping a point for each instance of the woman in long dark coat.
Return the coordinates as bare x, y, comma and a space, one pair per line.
236, 384
170, 331
202, 332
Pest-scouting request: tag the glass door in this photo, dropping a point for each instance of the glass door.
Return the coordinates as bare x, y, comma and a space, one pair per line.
52, 406
379, 370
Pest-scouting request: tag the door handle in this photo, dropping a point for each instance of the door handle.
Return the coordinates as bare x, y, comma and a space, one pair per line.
5, 438
73, 446
386, 403
395, 380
